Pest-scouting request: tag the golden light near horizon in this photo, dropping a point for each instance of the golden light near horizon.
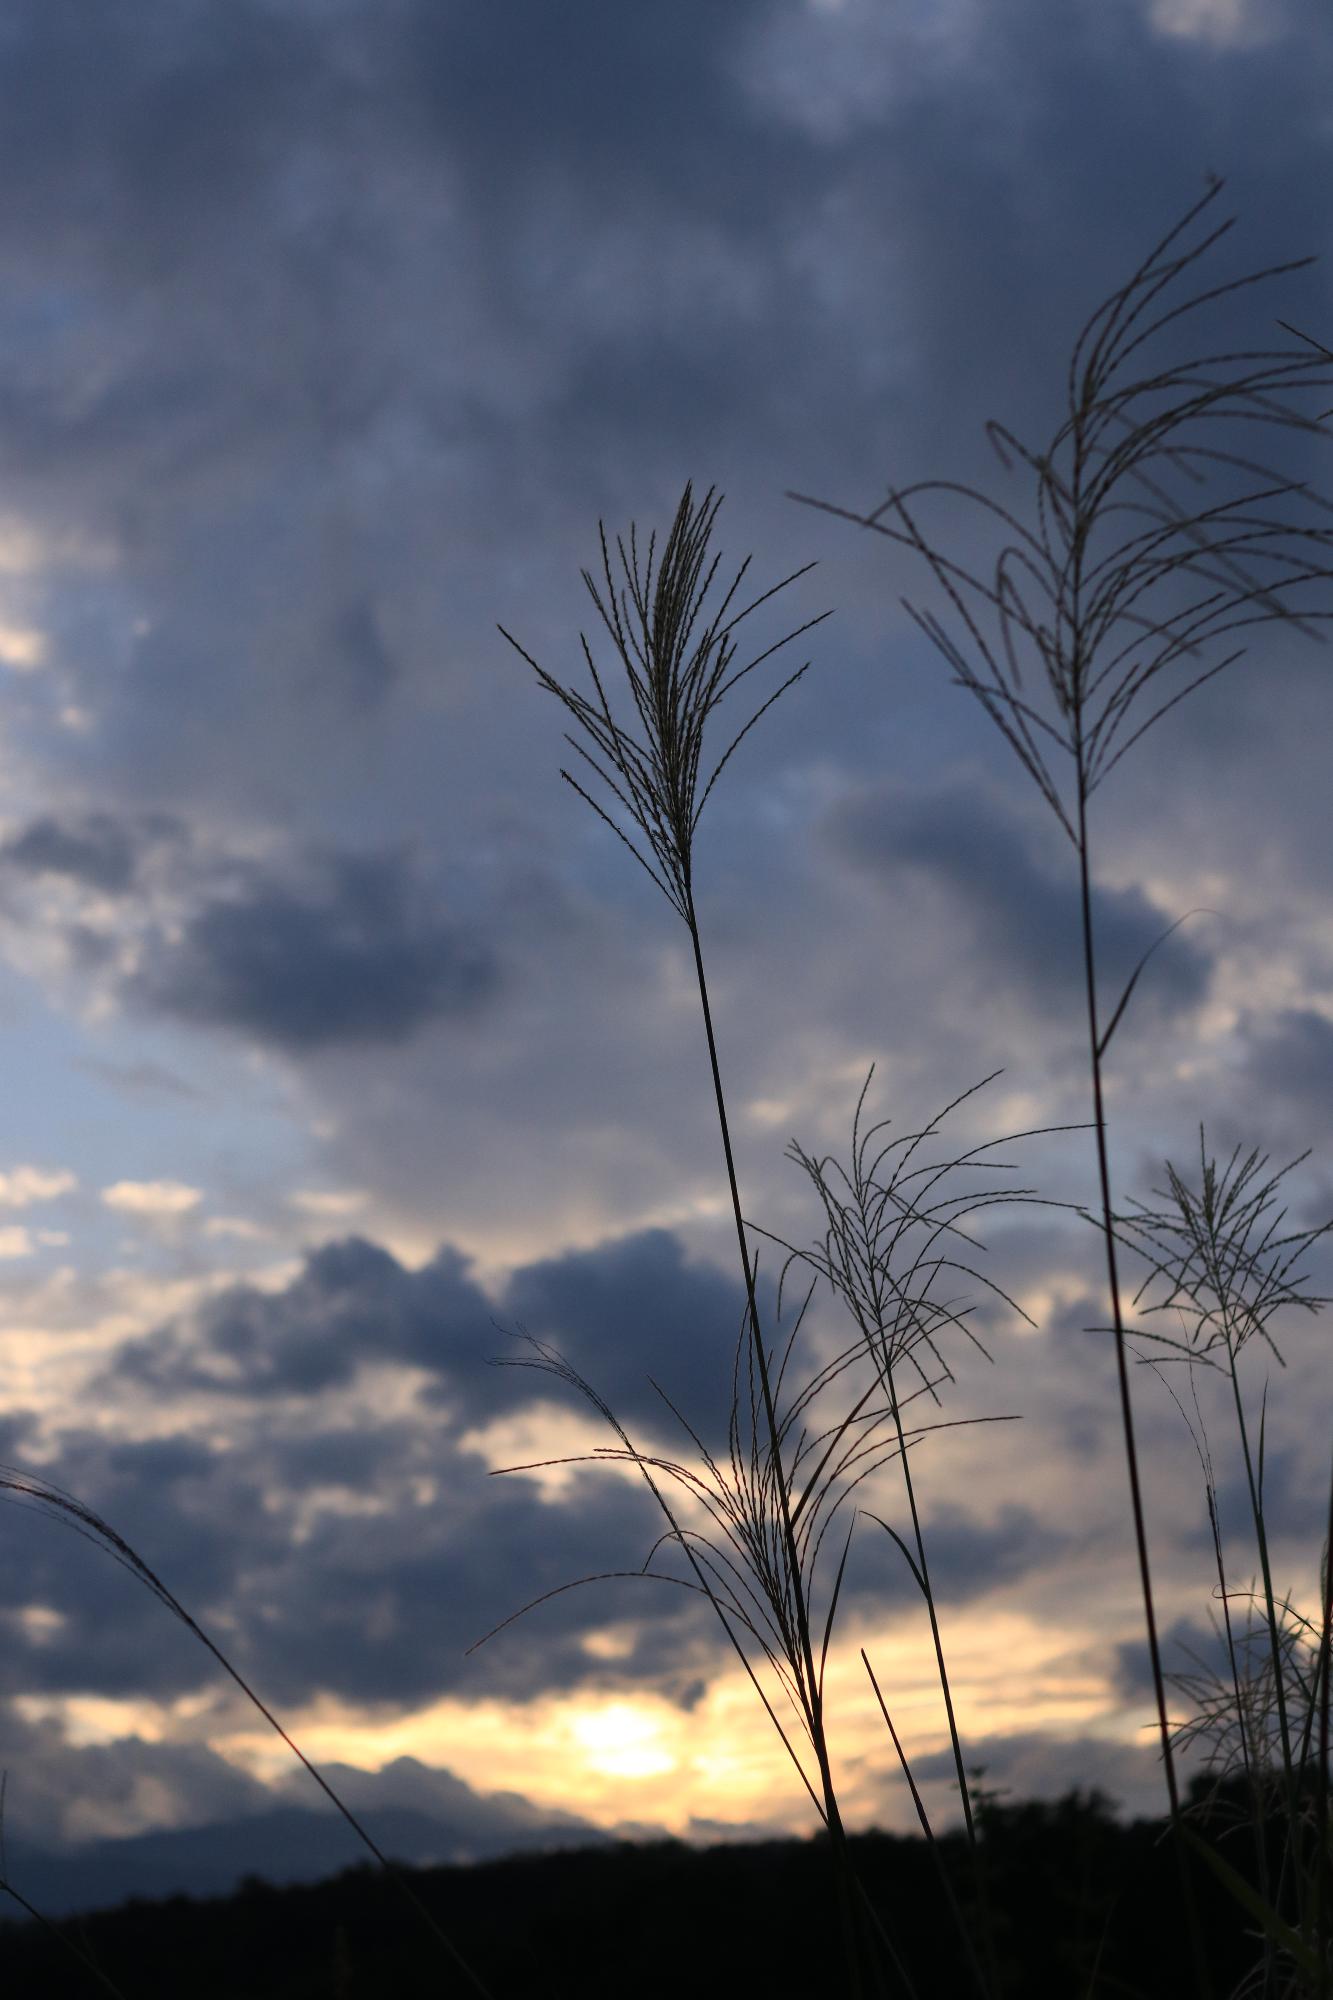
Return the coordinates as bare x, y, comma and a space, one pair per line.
623, 1740
636, 1755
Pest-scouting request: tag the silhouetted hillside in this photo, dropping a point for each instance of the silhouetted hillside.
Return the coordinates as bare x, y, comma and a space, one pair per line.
1082, 1905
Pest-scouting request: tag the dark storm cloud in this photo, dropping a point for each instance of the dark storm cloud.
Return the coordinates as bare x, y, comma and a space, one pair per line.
880, 189
629, 1307
194, 1521
17, 1428
358, 654
1187, 1647
653, 94
1289, 1055
138, 151
352, 1304
97, 851
359, 954
374, 1598
968, 1556
1295, 1507
634, 1306
392, 1598
148, 102
1005, 885
387, 1610
379, 1601
322, 348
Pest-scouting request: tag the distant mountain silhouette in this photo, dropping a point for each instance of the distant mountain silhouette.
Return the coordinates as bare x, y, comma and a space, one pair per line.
290, 1844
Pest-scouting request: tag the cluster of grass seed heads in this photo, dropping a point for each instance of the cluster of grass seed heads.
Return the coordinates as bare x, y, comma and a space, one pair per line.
679, 669
1221, 1261
1157, 536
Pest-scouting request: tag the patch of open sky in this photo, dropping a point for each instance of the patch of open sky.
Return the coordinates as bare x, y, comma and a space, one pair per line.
121, 1106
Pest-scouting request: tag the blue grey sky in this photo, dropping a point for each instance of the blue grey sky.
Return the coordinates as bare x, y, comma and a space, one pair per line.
341, 1041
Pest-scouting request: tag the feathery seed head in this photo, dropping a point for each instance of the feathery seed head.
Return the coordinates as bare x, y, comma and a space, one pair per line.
679, 669
893, 1233
1132, 568
1218, 1255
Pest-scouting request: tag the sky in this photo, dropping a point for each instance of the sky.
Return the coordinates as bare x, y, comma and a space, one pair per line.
341, 1042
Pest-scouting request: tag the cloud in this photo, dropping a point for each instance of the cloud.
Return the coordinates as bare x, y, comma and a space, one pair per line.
360, 1562
22, 1186
628, 1308
61, 1795
969, 1556
237, 1226
140, 1080
21, 648
1221, 24
1289, 1056
1012, 887
209, 1825
1295, 1506
15, 1242
637, 1305
658, 98
1186, 1647
352, 1304
328, 1202
358, 654
358, 1549
355, 954
96, 851
152, 1199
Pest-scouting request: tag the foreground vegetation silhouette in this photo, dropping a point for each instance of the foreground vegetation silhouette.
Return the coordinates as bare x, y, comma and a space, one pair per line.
1081, 1903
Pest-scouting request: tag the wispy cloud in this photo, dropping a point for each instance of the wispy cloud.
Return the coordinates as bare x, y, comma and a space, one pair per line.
152, 1199
20, 1187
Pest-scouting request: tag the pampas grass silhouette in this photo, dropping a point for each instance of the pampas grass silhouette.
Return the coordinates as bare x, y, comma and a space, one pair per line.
1222, 1269
647, 757
1156, 537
